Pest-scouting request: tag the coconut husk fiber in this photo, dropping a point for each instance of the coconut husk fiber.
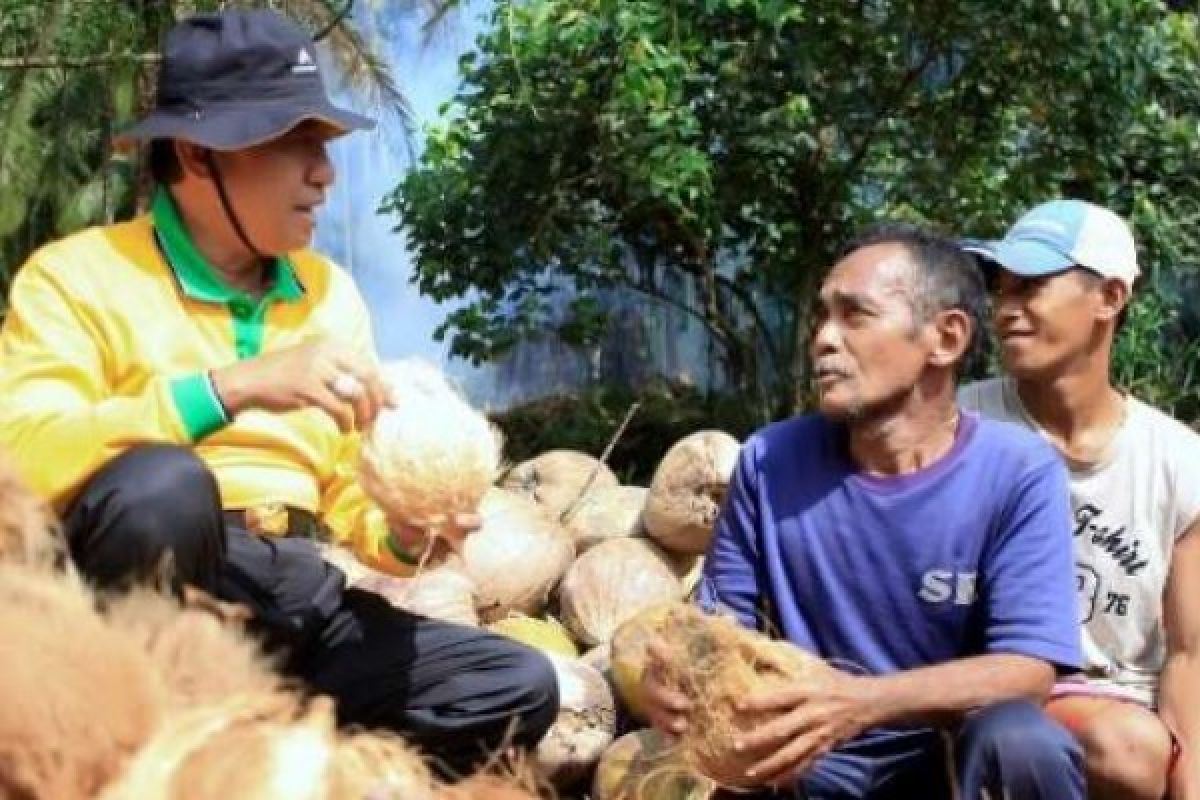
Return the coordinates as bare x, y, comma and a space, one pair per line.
77, 698
715, 663
430, 457
197, 656
611, 583
688, 490
646, 765
606, 513
555, 479
29, 532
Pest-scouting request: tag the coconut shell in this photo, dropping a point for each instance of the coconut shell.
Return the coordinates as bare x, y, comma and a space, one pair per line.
628, 656
516, 558
688, 490
584, 728
606, 513
445, 593
645, 765
611, 583
716, 663
555, 479
546, 635
431, 456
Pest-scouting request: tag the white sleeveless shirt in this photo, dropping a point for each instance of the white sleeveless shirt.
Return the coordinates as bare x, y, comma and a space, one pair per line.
1129, 511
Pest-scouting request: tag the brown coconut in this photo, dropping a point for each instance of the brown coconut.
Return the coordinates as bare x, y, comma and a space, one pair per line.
688, 490
555, 479
431, 456
606, 513
611, 583
77, 699
197, 656
516, 558
585, 725
444, 592
29, 533
646, 765
716, 663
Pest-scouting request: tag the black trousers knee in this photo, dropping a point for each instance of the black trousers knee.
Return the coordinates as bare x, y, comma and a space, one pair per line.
459, 693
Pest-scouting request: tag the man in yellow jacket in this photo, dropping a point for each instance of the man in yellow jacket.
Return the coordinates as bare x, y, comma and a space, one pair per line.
186, 389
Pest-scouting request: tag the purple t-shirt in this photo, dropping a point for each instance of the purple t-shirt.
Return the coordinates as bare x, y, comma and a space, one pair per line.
969, 555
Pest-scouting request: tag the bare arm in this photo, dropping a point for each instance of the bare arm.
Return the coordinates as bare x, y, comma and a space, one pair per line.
1179, 700
815, 719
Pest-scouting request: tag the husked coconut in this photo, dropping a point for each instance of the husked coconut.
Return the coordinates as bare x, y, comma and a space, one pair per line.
77, 698
585, 725
556, 479
716, 663
516, 558
444, 593
547, 635
432, 456
611, 583
645, 765
606, 513
688, 490
29, 533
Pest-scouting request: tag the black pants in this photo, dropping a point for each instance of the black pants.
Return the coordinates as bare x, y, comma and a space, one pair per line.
459, 693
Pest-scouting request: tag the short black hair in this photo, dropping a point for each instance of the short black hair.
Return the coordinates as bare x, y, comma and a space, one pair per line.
946, 278
163, 162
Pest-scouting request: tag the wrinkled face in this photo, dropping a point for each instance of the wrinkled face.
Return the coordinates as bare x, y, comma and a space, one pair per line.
1043, 322
868, 349
275, 187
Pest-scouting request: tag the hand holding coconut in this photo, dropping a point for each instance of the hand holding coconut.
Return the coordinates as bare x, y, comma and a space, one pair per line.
318, 373
809, 721
428, 460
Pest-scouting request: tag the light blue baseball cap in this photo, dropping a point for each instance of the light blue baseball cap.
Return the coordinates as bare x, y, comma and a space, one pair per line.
1061, 234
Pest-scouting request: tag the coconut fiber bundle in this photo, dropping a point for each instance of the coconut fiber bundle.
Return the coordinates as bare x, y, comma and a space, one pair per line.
716, 663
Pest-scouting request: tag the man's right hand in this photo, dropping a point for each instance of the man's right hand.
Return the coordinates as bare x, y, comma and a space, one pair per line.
314, 374
666, 708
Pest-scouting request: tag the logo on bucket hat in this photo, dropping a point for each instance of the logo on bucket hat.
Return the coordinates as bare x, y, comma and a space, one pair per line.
238, 78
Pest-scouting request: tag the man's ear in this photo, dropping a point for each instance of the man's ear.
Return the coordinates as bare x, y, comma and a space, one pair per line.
193, 158
951, 331
1114, 297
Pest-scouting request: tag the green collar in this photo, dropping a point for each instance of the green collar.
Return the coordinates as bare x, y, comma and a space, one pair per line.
196, 276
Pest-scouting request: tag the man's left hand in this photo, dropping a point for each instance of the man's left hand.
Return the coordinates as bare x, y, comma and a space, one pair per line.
811, 720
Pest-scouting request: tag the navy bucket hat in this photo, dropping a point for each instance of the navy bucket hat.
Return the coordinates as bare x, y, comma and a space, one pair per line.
238, 78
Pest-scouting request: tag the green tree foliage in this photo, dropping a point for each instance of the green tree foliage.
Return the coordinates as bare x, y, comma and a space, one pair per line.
74, 72
715, 154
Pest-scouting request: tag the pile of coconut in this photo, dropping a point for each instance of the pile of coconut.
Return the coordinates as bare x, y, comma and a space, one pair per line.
565, 554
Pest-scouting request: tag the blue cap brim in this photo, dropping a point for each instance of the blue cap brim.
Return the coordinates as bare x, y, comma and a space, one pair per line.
1029, 257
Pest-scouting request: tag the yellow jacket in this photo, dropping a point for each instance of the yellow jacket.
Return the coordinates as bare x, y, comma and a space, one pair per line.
107, 343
